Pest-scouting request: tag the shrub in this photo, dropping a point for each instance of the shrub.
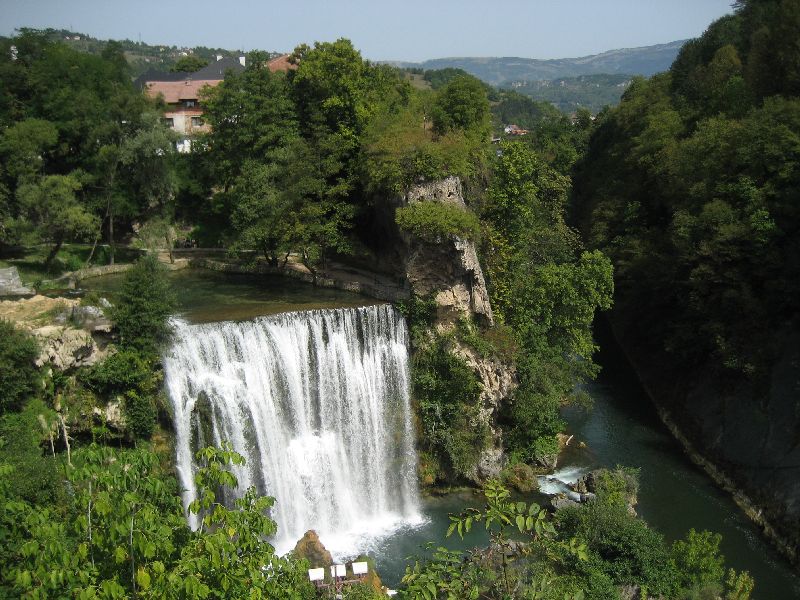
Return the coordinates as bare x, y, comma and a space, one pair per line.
420, 314
433, 221
619, 486
520, 477
18, 374
35, 477
621, 546
448, 392
699, 561
144, 305
120, 372
140, 414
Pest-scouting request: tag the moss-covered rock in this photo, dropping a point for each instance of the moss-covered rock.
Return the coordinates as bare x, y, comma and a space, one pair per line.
312, 549
520, 477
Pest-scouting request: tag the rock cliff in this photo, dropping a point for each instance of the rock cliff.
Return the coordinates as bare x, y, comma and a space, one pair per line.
744, 434
51, 321
450, 270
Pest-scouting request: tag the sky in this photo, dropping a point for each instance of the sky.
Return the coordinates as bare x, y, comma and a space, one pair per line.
407, 30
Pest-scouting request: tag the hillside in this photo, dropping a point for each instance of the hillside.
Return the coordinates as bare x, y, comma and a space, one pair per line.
646, 60
140, 56
571, 93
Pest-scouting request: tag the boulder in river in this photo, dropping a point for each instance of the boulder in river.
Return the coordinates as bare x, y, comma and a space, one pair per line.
312, 549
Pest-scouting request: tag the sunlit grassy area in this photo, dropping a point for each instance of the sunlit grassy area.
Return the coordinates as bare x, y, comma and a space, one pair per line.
30, 261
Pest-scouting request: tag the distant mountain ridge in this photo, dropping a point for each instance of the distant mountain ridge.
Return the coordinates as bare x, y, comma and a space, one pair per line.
646, 60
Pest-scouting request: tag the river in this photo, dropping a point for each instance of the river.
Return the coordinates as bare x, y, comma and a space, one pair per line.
675, 495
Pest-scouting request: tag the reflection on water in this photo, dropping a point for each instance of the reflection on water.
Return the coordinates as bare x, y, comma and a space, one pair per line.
207, 296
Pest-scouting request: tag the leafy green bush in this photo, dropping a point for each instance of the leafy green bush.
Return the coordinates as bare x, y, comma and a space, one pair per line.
140, 414
35, 477
433, 221
420, 314
120, 372
447, 393
699, 561
130, 374
144, 305
18, 374
619, 486
621, 546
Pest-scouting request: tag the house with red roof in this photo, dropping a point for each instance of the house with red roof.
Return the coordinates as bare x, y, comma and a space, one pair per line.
181, 93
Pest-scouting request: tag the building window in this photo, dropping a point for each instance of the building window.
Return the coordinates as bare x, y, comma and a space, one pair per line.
169, 122
190, 103
197, 122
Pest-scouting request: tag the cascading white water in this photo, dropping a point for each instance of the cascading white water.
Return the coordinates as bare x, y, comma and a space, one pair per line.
318, 404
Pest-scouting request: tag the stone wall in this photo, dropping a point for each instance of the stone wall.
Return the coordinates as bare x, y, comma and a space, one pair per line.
389, 293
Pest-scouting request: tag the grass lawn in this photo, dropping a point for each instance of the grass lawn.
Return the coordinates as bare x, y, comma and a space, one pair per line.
30, 261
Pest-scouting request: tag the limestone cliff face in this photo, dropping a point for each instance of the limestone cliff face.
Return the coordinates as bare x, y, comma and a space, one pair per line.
499, 380
62, 328
450, 269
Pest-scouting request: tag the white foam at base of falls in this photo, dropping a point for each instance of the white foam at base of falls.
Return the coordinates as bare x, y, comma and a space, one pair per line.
318, 403
557, 482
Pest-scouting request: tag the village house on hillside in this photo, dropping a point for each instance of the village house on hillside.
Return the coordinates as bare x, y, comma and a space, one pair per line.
181, 92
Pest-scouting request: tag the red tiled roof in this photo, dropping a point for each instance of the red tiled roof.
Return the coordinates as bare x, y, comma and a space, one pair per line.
175, 91
281, 63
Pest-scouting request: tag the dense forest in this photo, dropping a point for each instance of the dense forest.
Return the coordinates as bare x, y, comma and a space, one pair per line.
691, 187
568, 94
302, 164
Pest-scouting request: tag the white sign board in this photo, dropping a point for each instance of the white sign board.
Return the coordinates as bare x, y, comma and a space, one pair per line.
316, 574
360, 568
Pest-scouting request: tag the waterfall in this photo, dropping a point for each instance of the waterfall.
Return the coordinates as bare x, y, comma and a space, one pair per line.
318, 404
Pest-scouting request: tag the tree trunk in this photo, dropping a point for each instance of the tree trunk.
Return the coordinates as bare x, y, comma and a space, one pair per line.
110, 234
66, 438
53, 251
97, 238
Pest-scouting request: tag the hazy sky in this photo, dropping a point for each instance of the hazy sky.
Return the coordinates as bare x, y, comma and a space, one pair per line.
399, 30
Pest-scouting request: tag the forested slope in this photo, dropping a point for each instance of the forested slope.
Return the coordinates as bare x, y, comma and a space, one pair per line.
692, 186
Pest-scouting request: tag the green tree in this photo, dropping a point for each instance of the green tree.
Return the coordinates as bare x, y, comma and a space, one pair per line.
123, 534
18, 350
262, 215
462, 104
252, 118
145, 303
53, 212
24, 148
698, 560
189, 63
